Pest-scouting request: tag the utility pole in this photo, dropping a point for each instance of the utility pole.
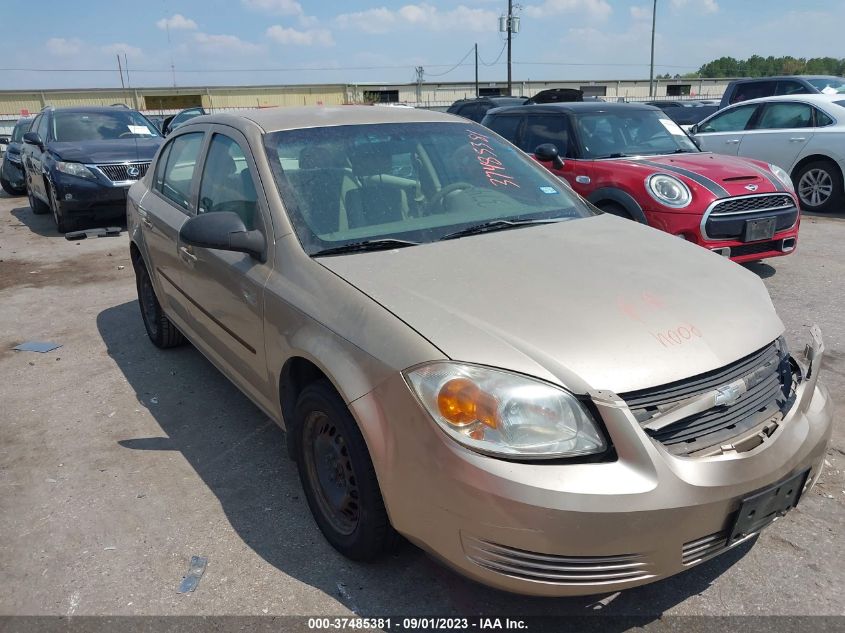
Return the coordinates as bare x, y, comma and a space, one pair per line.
420, 71
651, 70
120, 70
476, 70
510, 31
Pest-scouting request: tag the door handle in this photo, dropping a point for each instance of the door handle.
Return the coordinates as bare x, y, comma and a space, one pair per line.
733, 141
187, 255
145, 218
796, 139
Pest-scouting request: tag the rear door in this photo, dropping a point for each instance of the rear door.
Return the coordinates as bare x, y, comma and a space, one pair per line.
163, 211
36, 158
780, 132
226, 289
723, 132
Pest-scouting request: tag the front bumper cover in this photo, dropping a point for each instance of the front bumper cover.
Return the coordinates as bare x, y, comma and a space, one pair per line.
577, 528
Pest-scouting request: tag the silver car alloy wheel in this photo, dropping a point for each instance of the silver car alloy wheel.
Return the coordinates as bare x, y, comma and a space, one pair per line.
815, 187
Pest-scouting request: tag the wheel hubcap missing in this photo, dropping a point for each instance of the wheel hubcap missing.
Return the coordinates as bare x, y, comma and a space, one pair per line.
330, 470
815, 187
147, 299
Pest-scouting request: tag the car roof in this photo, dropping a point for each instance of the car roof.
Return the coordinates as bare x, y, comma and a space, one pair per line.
778, 77
92, 109
807, 98
574, 107
277, 119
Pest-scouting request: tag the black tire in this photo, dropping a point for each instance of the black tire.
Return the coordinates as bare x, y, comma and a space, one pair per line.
337, 476
819, 186
616, 209
38, 207
159, 328
63, 223
8, 188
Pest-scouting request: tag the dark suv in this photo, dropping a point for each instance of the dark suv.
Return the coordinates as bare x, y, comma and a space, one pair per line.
475, 109
744, 89
11, 171
79, 162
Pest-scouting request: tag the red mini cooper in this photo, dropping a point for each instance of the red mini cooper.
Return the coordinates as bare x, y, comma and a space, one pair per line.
634, 161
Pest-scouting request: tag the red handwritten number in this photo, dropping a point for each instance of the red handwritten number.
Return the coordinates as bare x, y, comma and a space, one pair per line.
677, 336
494, 169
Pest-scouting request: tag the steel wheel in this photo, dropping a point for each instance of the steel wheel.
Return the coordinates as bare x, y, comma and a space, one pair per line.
149, 309
815, 187
329, 467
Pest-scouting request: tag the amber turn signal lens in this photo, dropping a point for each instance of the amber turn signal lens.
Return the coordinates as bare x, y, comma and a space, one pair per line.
462, 402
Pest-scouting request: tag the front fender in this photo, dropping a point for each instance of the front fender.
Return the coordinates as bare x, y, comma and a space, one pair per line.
621, 197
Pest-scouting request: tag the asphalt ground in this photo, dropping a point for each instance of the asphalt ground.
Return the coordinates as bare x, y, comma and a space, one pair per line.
119, 461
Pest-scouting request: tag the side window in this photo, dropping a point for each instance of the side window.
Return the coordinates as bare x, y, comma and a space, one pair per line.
733, 120
158, 177
471, 111
505, 126
179, 168
226, 183
822, 119
791, 87
553, 129
780, 116
753, 90
35, 123
43, 127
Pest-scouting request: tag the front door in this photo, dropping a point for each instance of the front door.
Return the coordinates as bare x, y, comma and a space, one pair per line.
227, 288
723, 132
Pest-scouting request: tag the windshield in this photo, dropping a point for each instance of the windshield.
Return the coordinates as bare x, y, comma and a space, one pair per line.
409, 181
828, 85
101, 126
631, 133
21, 128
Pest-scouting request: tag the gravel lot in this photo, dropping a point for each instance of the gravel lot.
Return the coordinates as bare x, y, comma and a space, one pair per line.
119, 461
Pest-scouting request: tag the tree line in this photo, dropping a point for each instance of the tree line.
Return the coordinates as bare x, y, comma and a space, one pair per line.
758, 66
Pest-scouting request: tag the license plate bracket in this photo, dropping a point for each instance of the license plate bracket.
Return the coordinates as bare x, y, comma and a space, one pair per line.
761, 229
761, 508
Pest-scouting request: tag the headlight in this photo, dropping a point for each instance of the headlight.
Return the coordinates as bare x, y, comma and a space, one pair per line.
781, 175
668, 190
74, 169
504, 414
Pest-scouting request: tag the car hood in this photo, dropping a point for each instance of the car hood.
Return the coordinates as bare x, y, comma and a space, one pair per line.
596, 303
111, 151
721, 175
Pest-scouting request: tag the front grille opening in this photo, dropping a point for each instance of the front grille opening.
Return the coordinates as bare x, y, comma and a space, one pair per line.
742, 424
554, 568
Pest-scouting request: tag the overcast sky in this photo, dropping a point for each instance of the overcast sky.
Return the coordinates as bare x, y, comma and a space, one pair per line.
372, 41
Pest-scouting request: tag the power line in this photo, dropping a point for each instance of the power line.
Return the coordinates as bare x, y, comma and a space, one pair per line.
469, 52
498, 57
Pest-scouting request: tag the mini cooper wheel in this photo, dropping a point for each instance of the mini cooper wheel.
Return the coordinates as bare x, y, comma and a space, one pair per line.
819, 186
338, 477
63, 223
159, 328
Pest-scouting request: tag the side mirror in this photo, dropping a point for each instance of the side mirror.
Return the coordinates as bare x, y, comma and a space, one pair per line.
33, 139
224, 231
547, 152
693, 130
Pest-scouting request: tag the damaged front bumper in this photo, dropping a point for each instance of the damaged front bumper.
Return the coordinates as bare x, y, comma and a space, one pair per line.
581, 528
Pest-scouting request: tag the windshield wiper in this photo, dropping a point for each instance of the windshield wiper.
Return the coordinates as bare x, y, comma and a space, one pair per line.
681, 150
366, 245
498, 225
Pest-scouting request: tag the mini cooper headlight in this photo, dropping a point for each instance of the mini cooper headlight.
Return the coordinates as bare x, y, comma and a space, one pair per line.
74, 169
668, 190
505, 414
781, 175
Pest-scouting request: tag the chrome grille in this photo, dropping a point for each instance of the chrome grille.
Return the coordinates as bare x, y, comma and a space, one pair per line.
551, 568
119, 172
749, 204
704, 547
720, 424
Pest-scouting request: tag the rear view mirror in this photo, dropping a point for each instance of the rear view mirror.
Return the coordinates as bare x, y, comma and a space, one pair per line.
33, 139
223, 231
547, 153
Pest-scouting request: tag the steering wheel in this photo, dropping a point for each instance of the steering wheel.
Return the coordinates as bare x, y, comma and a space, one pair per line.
438, 198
